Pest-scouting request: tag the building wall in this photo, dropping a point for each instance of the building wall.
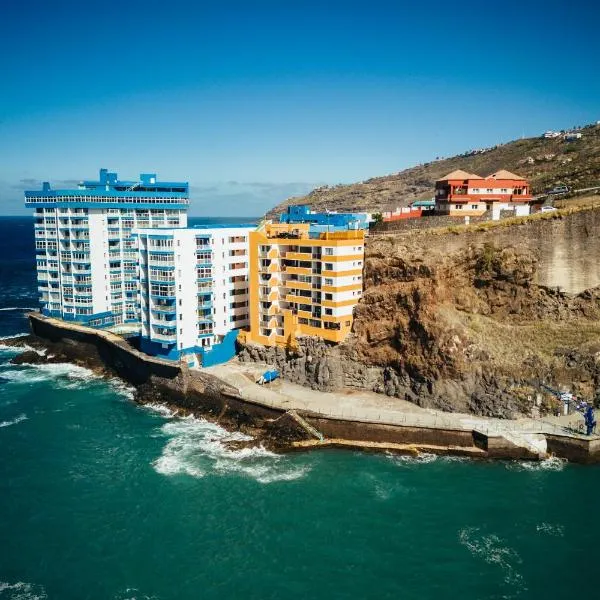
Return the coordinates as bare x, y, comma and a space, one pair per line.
199, 263
99, 262
303, 286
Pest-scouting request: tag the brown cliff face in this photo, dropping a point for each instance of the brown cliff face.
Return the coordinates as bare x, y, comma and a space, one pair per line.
472, 321
462, 322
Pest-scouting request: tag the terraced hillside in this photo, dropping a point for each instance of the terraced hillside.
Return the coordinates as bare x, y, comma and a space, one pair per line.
545, 162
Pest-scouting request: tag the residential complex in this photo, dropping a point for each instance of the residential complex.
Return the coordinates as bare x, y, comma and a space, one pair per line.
85, 251
119, 254
303, 282
326, 221
193, 290
460, 194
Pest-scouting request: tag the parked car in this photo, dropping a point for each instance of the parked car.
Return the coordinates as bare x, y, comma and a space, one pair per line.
560, 189
547, 208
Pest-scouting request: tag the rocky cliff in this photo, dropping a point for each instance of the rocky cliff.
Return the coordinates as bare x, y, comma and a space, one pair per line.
461, 322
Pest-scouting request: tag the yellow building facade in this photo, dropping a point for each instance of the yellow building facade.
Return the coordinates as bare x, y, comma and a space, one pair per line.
302, 284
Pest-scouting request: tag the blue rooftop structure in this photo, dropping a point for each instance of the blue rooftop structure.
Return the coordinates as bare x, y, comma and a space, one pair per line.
108, 189
327, 221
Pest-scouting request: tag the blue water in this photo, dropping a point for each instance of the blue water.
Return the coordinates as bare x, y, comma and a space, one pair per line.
102, 499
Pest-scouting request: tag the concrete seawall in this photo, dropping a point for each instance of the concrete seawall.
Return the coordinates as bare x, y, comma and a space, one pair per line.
202, 393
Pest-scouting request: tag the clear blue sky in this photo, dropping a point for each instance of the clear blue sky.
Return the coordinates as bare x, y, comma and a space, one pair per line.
254, 101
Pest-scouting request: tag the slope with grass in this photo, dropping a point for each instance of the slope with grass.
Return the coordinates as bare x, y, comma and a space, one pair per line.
544, 162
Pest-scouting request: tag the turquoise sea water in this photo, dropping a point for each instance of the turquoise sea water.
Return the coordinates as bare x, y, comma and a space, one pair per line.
102, 499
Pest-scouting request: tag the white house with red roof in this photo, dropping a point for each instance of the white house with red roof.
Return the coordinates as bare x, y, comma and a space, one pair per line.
462, 194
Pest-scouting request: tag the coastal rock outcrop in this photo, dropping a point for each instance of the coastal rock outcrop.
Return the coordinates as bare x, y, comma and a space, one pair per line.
456, 327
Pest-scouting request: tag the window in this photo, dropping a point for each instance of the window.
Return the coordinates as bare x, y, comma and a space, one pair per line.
474, 206
328, 296
328, 251
328, 281
329, 266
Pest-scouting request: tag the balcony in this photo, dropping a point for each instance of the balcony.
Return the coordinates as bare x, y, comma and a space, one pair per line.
298, 256
159, 337
164, 310
298, 299
297, 270
297, 285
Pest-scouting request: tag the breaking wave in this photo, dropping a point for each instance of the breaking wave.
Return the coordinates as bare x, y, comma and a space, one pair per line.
548, 464
21, 308
407, 460
493, 550
160, 409
10, 337
63, 375
199, 448
22, 417
550, 529
22, 591
120, 387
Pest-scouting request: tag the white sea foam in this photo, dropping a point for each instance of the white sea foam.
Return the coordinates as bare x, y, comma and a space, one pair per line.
122, 388
133, 594
199, 448
160, 409
22, 591
554, 463
550, 529
493, 550
22, 417
63, 375
410, 459
21, 308
10, 337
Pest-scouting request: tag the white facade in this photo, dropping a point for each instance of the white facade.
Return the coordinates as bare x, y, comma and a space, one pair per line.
520, 210
86, 255
87, 260
193, 287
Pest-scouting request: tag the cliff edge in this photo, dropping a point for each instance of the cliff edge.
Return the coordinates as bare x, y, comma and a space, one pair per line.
463, 322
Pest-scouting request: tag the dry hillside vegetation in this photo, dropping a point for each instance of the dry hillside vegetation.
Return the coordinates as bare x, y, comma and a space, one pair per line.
544, 162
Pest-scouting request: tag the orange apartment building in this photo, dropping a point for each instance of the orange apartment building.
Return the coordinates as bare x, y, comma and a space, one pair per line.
461, 194
303, 283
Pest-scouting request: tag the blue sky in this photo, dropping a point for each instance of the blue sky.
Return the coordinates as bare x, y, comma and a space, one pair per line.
254, 101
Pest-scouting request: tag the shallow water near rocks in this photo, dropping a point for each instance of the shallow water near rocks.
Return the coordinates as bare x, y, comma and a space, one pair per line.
103, 499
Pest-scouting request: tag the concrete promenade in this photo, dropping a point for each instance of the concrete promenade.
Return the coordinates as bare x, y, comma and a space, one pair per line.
369, 407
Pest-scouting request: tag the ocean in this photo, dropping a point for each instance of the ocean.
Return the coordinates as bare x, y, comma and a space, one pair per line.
103, 499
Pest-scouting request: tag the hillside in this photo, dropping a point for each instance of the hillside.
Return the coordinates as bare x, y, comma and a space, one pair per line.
545, 162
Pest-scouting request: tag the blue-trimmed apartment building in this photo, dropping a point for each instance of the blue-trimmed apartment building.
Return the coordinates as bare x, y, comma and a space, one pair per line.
324, 222
85, 249
113, 252
193, 291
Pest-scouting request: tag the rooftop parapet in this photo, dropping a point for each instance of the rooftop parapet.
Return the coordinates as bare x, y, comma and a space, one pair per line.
304, 231
109, 188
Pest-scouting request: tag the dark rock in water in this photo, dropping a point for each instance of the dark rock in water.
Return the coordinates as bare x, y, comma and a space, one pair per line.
29, 357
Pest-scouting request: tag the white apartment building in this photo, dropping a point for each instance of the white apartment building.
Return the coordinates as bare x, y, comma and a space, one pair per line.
85, 251
193, 291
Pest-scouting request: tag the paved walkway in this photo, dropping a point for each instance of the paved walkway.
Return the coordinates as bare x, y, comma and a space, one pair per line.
366, 406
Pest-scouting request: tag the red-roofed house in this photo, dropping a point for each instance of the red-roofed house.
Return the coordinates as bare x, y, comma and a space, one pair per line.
461, 194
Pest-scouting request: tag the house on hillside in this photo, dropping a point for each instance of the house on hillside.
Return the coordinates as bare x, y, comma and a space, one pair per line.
462, 194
